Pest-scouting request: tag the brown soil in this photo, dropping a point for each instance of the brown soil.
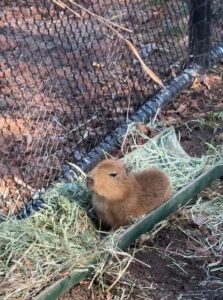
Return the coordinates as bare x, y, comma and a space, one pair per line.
173, 276
197, 115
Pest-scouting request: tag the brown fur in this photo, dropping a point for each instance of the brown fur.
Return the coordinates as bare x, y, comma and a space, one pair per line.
117, 199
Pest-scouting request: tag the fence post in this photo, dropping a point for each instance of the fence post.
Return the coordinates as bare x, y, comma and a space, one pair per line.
200, 31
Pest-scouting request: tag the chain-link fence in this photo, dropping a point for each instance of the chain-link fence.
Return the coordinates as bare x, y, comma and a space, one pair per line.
68, 78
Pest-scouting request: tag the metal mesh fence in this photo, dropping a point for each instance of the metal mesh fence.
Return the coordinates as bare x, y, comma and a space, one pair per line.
67, 79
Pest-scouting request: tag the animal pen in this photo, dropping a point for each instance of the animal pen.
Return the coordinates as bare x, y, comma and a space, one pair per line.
69, 80
73, 76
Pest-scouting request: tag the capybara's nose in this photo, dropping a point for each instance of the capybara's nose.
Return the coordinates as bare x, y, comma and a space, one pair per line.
89, 181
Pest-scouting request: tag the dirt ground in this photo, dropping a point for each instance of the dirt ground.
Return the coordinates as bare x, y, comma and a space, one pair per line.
197, 115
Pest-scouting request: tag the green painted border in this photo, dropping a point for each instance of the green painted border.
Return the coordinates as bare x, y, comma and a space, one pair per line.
63, 285
141, 227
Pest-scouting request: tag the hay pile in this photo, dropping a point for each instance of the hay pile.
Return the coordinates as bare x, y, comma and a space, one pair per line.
37, 251
166, 153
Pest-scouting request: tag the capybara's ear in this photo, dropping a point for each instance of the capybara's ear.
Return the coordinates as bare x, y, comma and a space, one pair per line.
128, 168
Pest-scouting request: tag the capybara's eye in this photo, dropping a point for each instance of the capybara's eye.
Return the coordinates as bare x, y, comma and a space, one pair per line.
113, 174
